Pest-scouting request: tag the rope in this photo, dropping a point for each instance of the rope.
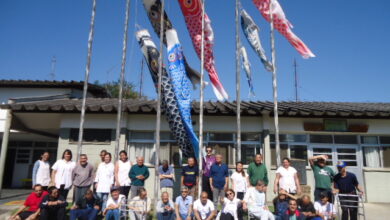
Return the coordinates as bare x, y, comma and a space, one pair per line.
122, 79
238, 82
85, 88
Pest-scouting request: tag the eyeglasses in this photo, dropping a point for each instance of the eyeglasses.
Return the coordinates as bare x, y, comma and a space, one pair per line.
230, 194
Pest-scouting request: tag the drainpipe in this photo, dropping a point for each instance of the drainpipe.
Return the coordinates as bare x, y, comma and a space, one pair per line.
4, 145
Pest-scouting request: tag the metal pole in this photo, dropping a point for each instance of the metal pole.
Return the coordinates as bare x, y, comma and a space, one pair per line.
201, 101
122, 79
141, 78
296, 80
87, 70
4, 145
275, 88
238, 86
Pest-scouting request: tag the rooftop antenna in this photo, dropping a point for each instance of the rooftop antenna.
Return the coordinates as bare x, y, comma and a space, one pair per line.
53, 68
141, 79
296, 80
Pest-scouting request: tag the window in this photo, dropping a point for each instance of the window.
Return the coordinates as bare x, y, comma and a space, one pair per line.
386, 156
283, 153
291, 145
250, 136
321, 139
220, 137
369, 139
298, 152
142, 149
289, 138
348, 155
248, 151
325, 151
91, 135
335, 125
371, 156
223, 149
384, 139
345, 139
141, 135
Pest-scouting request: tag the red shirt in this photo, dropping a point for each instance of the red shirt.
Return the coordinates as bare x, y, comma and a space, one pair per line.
33, 201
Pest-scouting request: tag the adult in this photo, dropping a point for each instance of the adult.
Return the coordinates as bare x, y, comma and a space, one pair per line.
122, 169
183, 205
32, 202
62, 173
293, 212
240, 184
258, 171
254, 202
281, 203
140, 206
219, 179
102, 154
82, 177
230, 206
138, 174
41, 171
323, 175
190, 176
325, 209
307, 208
53, 205
208, 161
347, 183
204, 208
166, 175
114, 203
287, 178
165, 207
86, 207
104, 179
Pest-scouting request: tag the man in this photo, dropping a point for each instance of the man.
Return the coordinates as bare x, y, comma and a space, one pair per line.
114, 205
166, 175
82, 177
86, 207
203, 208
347, 183
53, 205
258, 171
190, 176
165, 208
208, 161
183, 205
140, 206
32, 202
102, 154
323, 176
138, 174
219, 179
292, 212
254, 202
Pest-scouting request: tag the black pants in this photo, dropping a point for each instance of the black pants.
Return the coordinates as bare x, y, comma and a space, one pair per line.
124, 190
349, 213
79, 192
53, 213
206, 186
240, 211
318, 191
226, 216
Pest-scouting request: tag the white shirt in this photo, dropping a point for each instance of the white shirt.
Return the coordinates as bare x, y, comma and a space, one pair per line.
123, 173
64, 173
230, 206
254, 199
204, 210
287, 180
240, 182
104, 177
43, 173
327, 210
119, 201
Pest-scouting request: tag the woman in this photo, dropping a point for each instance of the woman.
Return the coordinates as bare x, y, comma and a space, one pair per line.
104, 179
287, 178
240, 183
62, 173
41, 171
122, 169
230, 206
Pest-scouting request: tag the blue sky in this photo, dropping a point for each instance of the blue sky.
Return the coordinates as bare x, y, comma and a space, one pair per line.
350, 39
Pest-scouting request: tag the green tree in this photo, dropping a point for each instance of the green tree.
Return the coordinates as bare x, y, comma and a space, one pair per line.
129, 89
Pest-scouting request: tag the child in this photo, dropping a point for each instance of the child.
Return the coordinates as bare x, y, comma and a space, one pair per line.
324, 208
113, 207
281, 203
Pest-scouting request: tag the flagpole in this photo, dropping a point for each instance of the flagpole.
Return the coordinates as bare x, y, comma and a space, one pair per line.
122, 79
85, 88
238, 89
201, 101
275, 88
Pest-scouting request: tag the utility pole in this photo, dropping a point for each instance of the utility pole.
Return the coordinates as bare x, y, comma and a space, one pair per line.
53, 68
141, 78
296, 80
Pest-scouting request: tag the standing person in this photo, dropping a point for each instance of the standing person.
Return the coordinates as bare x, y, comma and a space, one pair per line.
166, 175
287, 178
190, 176
258, 171
122, 169
114, 203
240, 184
208, 161
140, 206
85, 208
165, 208
138, 174
255, 203
104, 179
323, 176
293, 212
62, 173
82, 177
204, 208
230, 206
53, 205
183, 205
347, 183
219, 179
41, 171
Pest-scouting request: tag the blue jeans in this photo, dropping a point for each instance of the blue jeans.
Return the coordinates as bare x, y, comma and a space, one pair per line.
166, 216
103, 198
85, 214
113, 214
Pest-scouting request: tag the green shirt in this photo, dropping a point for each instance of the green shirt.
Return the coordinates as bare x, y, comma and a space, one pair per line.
323, 176
257, 172
136, 171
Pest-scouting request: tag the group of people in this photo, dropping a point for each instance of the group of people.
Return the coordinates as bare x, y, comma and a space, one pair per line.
117, 190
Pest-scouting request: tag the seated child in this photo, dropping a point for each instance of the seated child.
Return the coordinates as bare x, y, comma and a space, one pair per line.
324, 208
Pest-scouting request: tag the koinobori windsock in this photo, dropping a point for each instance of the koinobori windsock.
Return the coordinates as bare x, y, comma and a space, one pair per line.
251, 31
247, 68
181, 84
282, 25
153, 9
168, 100
192, 11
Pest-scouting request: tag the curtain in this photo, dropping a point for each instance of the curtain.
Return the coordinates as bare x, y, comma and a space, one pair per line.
371, 156
142, 149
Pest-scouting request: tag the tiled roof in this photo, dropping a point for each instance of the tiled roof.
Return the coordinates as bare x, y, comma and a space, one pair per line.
253, 108
96, 90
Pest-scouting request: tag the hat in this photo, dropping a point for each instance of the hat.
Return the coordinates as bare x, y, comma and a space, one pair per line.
341, 164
